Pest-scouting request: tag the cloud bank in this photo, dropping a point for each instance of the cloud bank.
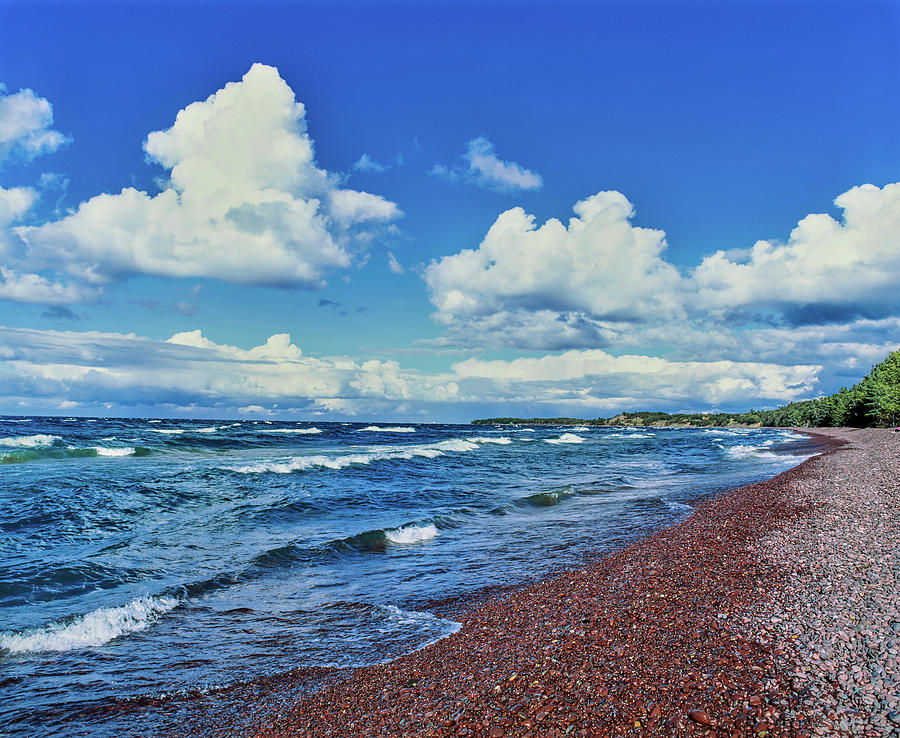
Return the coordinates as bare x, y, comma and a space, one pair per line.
191, 374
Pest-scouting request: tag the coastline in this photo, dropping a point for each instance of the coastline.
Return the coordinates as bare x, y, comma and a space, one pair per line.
675, 634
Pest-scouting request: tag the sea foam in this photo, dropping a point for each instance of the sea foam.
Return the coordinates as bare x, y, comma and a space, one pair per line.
93, 629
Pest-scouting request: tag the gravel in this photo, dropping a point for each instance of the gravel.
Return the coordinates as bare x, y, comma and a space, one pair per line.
837, 609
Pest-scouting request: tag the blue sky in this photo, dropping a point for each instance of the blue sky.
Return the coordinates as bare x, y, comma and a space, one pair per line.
399, 227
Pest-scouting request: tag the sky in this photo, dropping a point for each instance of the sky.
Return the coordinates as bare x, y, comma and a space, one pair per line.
434, 211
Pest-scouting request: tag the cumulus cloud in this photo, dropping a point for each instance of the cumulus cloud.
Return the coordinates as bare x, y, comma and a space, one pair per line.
25, 126
591, 276
484, 168
35, 288
366, 163
600, 281
189, 370
244, 202
827, 270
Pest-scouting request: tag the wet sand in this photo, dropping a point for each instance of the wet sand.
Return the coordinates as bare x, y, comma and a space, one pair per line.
715, 626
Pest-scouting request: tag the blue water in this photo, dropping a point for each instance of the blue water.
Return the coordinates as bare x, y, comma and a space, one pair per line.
147, 557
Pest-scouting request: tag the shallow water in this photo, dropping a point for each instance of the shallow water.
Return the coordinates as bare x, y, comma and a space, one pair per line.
146, 557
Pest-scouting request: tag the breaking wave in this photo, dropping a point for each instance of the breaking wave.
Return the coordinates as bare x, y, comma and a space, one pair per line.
412, 533
302, 463
35, 441
93, 629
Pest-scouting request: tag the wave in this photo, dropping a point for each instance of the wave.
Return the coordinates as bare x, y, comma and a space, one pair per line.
302, 463
380, 539
501, 441
93, 629
35, 441
547, 499
412, 533
523, 430
581, 428
121, 451
167, 431
565, 438
303, 431
630, 435
423, 620
210, 429
760, 452
387, 429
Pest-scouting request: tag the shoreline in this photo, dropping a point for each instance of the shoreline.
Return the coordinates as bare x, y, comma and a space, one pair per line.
662, 637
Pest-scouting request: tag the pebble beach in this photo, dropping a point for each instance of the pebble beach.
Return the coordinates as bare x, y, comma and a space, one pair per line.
771, 611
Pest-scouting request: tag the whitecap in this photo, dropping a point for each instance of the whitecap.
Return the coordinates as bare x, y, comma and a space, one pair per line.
93, 629
412, 533
34, 441
302, 463
501, 440
120, 451
565, 438
581, 428
630, 435
210, 429
167, 431
387, 429
302, 431
523, 430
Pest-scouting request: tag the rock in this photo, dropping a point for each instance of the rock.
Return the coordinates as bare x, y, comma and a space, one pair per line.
700, 716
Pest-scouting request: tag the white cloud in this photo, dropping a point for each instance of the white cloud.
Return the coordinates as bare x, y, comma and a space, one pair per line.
34, 288
593, 275
600, 281
191, 371
826, 267
366, 163
395, 266
15, 202
594, 376
245, 201
25, 126
485, 169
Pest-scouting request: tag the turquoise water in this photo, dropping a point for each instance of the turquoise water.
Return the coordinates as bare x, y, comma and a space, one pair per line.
146, 557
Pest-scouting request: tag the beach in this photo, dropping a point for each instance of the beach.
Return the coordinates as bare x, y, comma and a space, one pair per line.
771, 611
